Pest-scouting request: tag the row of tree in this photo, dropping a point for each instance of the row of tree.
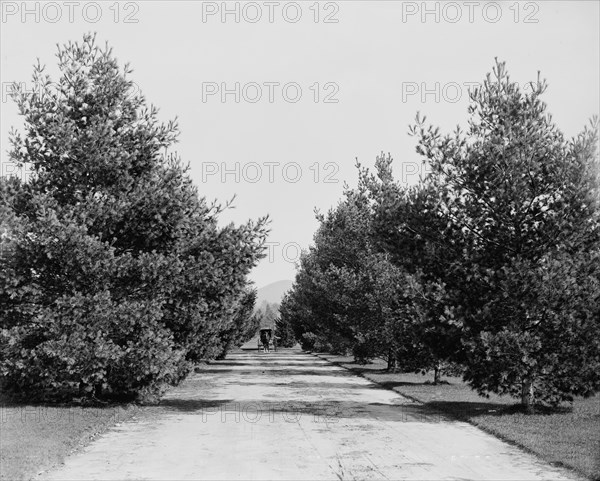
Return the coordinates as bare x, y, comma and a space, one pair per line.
490, 265
115, 276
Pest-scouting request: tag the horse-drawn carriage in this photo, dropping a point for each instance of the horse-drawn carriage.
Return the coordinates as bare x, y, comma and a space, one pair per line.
267, 340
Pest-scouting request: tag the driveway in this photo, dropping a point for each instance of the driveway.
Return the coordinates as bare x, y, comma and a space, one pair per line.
291, 415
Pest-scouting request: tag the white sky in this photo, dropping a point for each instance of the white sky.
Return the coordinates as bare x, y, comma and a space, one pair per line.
376, 61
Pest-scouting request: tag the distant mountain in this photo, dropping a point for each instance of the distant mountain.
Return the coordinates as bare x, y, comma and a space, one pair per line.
272, 293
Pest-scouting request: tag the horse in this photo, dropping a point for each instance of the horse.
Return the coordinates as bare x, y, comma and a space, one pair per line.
265, 339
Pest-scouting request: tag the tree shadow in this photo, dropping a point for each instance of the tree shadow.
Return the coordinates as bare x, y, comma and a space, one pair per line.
191, 405
308, 385
467, 410
274, 373
279, 362
393, 384
19, 401
326, 411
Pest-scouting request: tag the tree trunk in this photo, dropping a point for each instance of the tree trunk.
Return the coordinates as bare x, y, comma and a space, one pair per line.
527, 394
391, 361
437, 373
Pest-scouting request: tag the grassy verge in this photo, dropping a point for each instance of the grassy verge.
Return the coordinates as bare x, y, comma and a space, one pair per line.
34, 438
567, 437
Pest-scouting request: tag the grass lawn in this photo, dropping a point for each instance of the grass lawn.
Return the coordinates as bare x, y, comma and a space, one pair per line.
570, 437
36, 437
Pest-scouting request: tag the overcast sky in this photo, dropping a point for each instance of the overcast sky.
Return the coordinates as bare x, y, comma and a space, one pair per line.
276, 100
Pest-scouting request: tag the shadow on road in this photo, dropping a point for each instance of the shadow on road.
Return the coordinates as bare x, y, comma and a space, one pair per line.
191, 405
292, 411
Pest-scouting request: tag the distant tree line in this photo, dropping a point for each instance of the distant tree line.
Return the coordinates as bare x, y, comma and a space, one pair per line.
115, 276
490, 266
266, 314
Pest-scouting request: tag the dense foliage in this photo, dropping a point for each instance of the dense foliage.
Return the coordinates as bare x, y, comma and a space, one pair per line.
284, 331
490, 265
115, 274
245, 324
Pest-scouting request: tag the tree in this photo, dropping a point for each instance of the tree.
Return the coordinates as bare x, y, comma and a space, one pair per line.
521, 202
327, 288
119, 275
491, 261
346, 295
407, 228
245, 324
284, 332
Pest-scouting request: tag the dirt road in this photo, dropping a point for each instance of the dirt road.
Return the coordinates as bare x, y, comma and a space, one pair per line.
290, 415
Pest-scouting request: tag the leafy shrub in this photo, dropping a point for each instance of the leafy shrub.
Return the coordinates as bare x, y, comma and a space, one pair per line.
308, 341
362, 352
311, 342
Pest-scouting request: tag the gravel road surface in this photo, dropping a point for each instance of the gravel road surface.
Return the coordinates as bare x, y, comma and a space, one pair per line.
291, 415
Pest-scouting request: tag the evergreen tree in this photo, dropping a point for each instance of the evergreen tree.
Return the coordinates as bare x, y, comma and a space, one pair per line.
119, 275
522, 203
